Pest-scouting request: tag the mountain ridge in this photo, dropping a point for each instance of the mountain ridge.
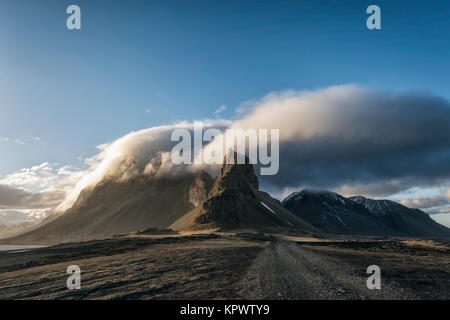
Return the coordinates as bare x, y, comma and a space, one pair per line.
194, 201
335, 214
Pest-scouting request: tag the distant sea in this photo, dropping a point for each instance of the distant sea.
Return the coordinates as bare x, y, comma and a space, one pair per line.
18, 248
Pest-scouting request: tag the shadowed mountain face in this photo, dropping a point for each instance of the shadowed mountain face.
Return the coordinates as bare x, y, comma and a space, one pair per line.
235, 203
113, 207
333, 213
412, 222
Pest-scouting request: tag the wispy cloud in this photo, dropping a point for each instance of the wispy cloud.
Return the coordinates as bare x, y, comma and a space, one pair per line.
433, 203
18, 141
221, 109
21, 142
38, 140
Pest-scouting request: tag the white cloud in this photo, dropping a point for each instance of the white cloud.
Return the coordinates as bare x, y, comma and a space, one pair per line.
34, 139
425, 202
38, 140
221, 109
38, 190
432, 204
18, 141
12, 197
132, 154
39, 177
18, 216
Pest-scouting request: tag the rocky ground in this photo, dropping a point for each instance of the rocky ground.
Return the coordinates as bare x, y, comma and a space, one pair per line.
228, 267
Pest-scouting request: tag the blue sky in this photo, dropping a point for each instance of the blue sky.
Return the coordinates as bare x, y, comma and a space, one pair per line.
181, 60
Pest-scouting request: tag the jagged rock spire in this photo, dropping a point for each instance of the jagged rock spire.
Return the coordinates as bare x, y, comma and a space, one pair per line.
236, 176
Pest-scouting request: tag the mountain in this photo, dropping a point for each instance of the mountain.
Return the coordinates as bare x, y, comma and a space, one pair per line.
13, 222
235, 203
8, 230
332, 213
114, 206
413, 222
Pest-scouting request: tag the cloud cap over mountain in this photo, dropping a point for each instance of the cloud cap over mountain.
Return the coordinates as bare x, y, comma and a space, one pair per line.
354, 140
348, 139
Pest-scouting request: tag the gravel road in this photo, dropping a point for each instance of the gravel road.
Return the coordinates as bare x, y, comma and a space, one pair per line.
215, 267
292, 271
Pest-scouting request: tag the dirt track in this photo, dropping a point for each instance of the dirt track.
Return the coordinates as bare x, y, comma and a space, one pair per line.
290, 271
226, 268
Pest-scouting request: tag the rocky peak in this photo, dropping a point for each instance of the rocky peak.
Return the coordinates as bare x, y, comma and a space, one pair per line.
236, 176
